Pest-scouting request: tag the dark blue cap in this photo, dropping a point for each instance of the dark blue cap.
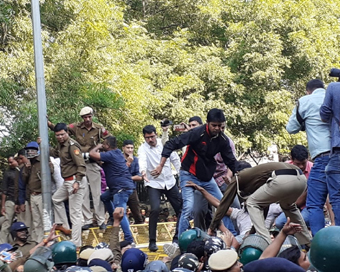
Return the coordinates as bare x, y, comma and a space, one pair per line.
7, 247
18, 226
32, 145
133, 260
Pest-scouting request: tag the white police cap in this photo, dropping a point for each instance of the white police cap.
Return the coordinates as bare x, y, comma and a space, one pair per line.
85, 111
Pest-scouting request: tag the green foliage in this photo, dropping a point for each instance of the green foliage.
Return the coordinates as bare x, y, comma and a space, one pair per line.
138, 61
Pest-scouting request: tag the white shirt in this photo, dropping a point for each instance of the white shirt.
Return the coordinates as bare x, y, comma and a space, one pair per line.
149, 158
58, 179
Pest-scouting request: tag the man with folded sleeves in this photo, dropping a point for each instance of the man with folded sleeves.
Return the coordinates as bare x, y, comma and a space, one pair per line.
262, 185
73, 171
88, 134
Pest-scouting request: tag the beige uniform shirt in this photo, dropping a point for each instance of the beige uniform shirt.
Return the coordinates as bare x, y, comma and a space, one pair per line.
71, 160
32, 175
87, 139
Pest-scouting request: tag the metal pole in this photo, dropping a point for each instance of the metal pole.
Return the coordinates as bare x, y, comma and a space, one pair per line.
42, 113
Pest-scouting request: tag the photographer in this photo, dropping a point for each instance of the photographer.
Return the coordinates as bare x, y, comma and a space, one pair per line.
318, 137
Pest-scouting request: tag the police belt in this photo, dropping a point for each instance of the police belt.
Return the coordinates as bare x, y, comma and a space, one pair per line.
292, 172
71, 178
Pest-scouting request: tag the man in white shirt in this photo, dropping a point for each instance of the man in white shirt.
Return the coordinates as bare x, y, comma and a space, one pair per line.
149, 155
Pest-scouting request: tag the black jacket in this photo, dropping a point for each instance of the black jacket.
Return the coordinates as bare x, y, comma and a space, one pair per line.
201, 148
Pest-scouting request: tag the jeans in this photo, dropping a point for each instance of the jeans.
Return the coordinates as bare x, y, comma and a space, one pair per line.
188, 200
333, 183
317, 194
119, 200
282, 219
174, 198
107, 197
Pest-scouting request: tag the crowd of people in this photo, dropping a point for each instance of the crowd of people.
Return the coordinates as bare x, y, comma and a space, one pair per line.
252, 203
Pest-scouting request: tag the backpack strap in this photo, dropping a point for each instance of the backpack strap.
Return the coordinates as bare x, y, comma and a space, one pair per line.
299, 118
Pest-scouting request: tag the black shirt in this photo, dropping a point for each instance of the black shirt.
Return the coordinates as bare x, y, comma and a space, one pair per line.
10, 184
201, 148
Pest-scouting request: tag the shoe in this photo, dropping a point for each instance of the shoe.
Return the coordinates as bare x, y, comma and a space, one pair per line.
102, 226
87, 226
153, 247
63, 230
171, 249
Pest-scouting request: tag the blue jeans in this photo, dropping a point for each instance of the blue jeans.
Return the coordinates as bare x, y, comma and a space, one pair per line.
119, 200
333, 183
281, 219
317, 192
188, 200
107, 197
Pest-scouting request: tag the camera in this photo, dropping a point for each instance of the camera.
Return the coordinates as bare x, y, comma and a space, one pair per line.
335, 72
179, 127
166, 123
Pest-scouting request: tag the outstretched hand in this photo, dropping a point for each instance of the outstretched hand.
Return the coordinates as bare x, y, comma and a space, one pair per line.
118, 215
157, 171
291, 228
227, 238
52, 236
211, 232
193, 185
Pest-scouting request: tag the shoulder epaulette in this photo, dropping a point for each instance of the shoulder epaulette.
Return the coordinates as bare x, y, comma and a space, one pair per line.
97, 125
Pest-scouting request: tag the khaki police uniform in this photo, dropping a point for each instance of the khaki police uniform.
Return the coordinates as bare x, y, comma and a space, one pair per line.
32, 177
10, 190
273, 182
88, 139
72, 169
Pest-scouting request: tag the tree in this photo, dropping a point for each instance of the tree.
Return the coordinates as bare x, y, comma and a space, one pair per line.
139, 61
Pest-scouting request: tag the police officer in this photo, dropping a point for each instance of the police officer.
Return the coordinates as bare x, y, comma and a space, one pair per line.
73, 172
88, 134
9, 198
31, 175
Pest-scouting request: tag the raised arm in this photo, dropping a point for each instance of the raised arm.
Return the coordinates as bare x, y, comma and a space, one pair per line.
274, 248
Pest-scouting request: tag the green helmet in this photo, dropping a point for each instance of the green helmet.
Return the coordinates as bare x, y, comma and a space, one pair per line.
34, 266
189, 236
325, 249
250, 254
64, 252
252, 248
39, 261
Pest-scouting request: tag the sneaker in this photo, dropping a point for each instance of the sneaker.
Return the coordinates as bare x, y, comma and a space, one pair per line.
102, 226
171, 249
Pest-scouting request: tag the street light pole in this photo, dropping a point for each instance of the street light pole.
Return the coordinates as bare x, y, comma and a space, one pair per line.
42, 116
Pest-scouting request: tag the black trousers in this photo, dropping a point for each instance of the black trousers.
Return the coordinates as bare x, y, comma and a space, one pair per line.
175, 199
134, 206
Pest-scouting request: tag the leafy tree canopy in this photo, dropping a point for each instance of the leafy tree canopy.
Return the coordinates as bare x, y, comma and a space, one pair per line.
138, 61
